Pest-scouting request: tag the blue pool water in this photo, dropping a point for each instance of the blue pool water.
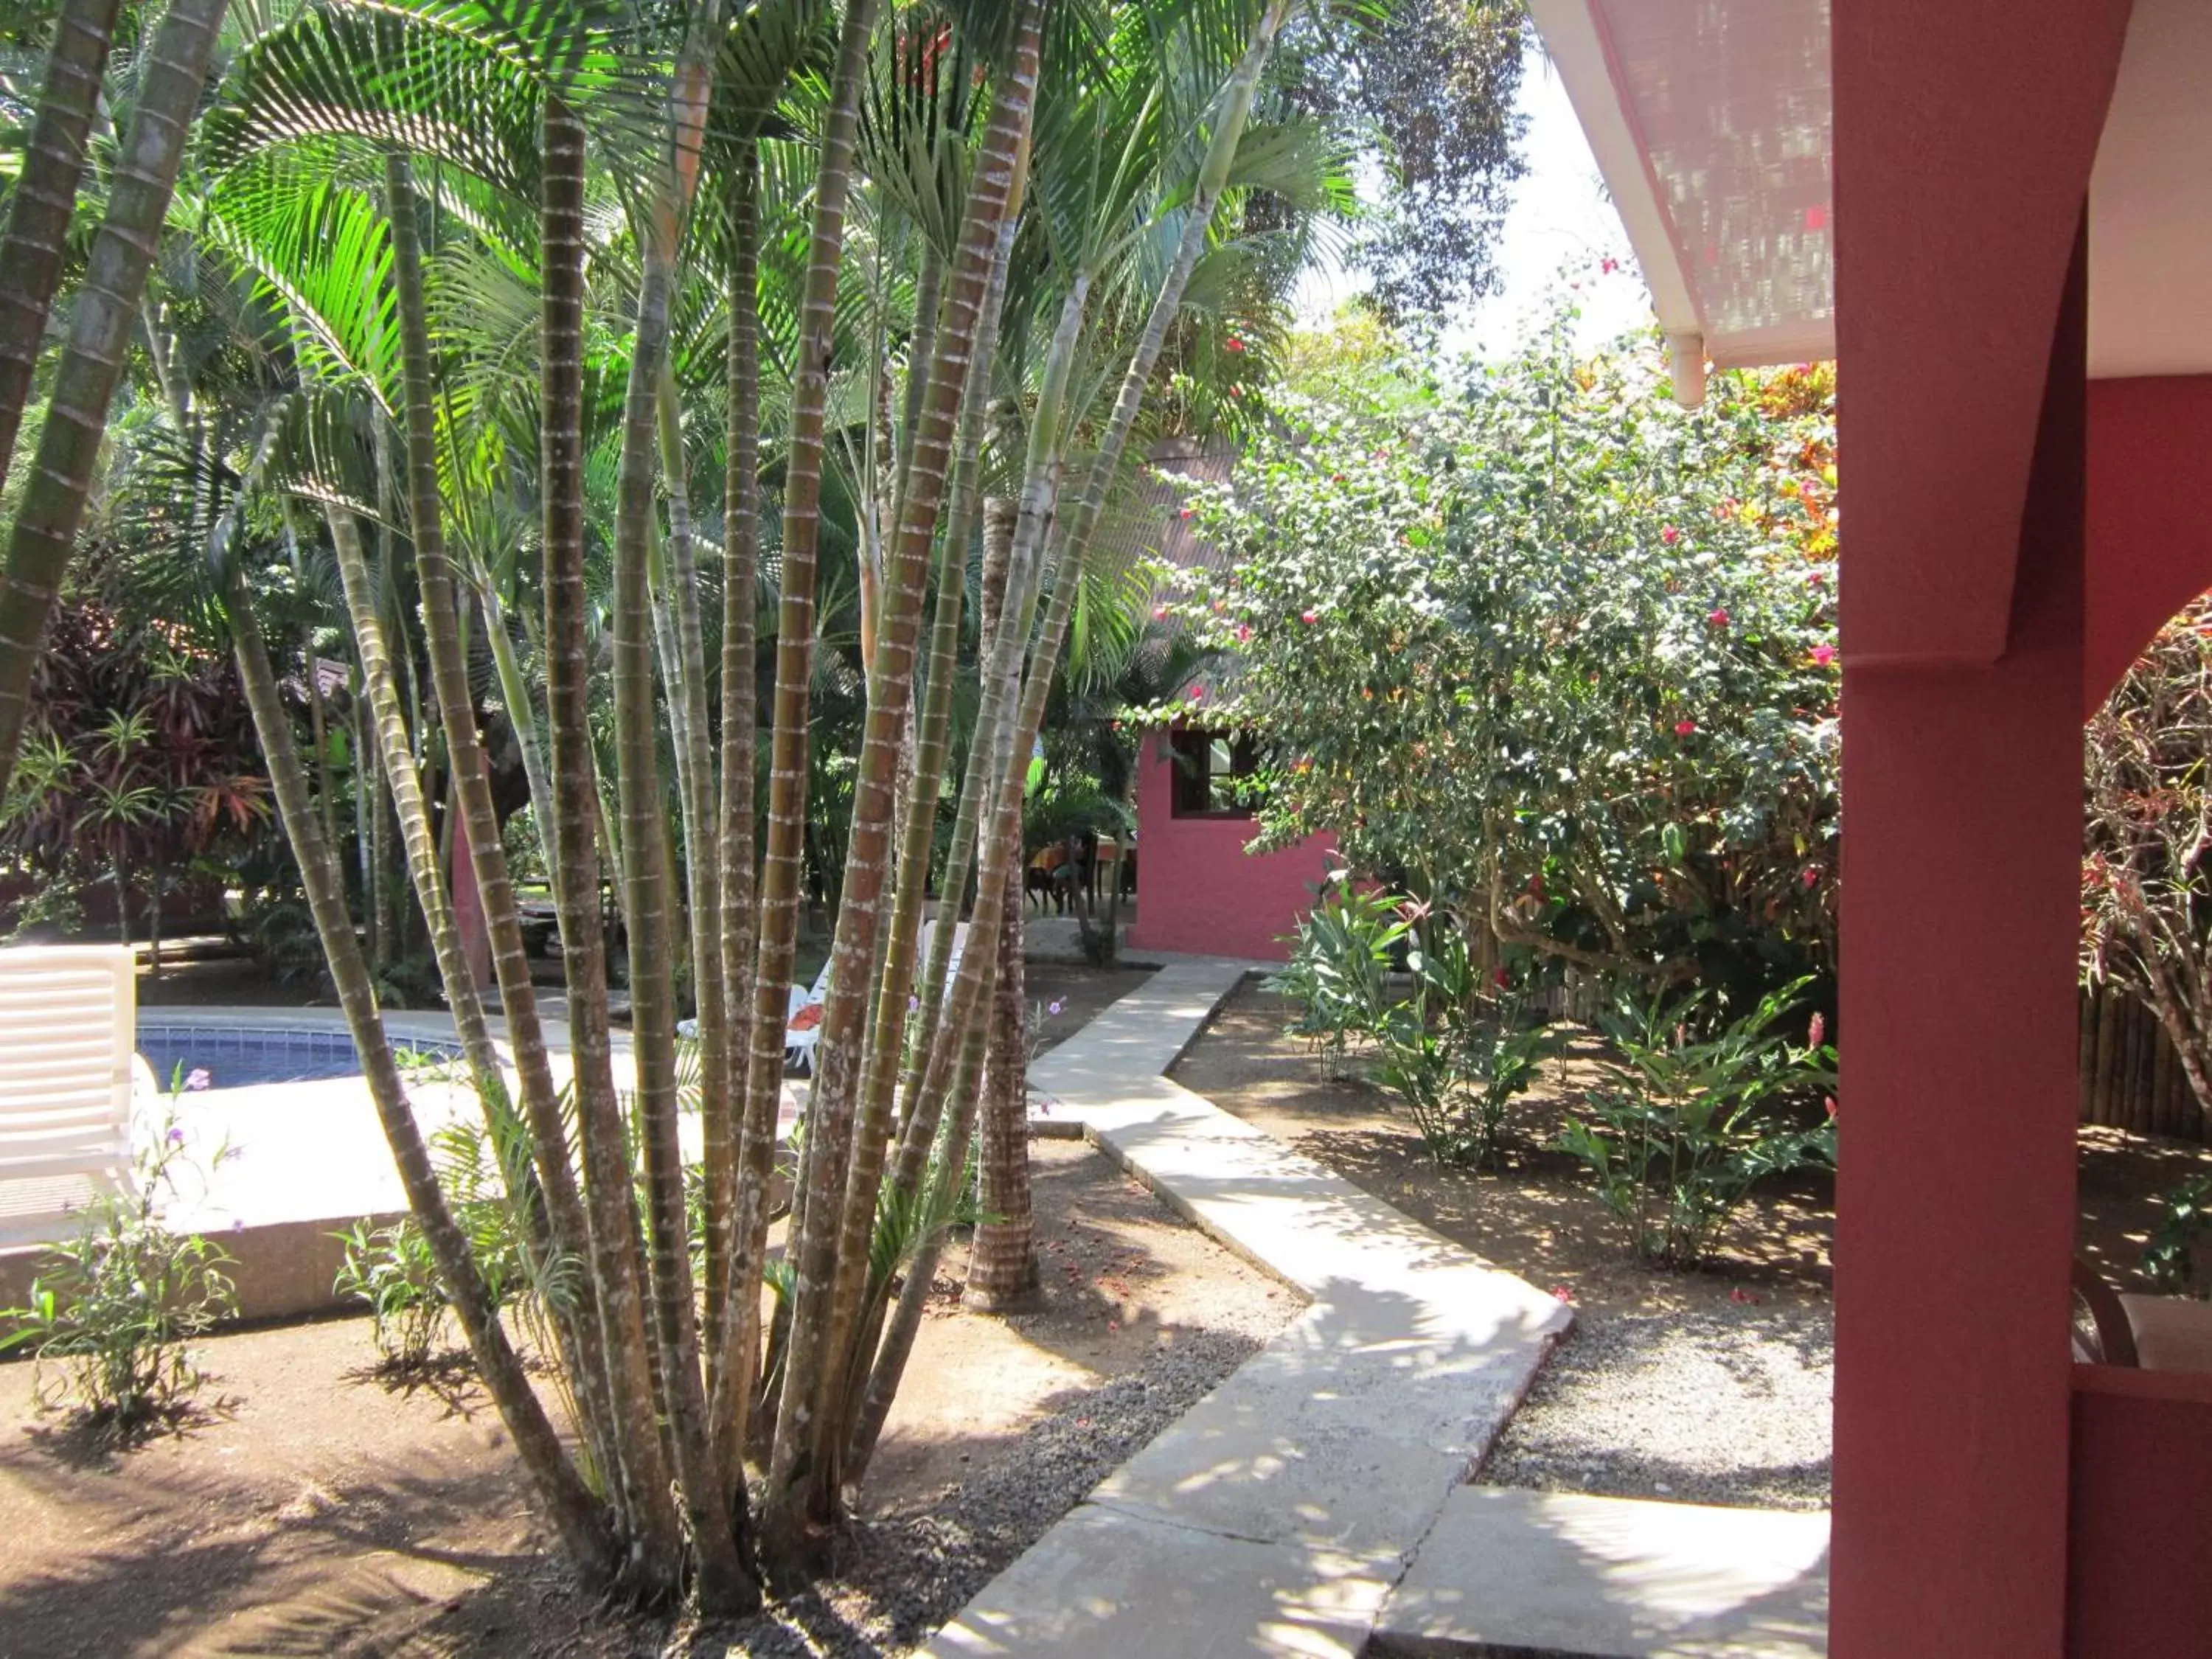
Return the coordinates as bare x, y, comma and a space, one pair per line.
238, 1057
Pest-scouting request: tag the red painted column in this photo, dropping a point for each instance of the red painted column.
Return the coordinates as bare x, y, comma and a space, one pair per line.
1962, 787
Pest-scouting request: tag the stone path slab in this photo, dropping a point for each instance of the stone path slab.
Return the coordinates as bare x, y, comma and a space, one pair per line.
1277, 1514
1507, 1571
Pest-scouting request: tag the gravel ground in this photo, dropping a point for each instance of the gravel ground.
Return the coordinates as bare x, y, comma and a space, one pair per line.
901, 1579
1709, 1405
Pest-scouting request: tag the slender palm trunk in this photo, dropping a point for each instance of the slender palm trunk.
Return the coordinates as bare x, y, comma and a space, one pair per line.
740, 1148
616, 1250
955, 1058
779, 877
724, 1584
1002, 1267
45, 198
576, 1516
844, 1159
104, 313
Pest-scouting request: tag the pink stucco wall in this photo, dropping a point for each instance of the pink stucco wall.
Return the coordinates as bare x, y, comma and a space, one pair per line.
1197, 888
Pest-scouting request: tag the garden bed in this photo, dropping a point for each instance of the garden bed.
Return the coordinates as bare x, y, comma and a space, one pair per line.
309, 1508
1711, 1386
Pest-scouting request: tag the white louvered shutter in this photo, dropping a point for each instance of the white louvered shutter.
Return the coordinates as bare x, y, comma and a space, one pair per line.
66, 1035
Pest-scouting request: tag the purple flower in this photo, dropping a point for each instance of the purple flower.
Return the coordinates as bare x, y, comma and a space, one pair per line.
1055, 1007
199, 1078
176, 1137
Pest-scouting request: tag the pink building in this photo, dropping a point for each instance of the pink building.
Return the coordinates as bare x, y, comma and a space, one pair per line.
1198, 890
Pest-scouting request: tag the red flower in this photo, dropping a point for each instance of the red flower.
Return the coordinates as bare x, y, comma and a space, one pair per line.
1670, 534
1811, 875
1608, 264
1234, 343
1817, 578
1336, 478
1743, 1295
1824, 654
1816, 1030
1243, 634
1186, 513
1718, 617
1685, 728
1159, 613
1561, 1293
1309, 617
1197, 693
1499, 977
1830, 1102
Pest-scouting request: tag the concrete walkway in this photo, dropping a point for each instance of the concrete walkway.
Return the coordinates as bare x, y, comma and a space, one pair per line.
1278, 1514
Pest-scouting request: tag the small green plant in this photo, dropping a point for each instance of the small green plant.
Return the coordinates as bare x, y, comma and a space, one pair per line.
2185, 1222
1340, 960
1695, 1112
1457, 1058
390, 1269
113, 1311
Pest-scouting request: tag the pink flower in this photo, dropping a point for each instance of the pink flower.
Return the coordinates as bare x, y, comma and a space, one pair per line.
1830, 1102
199, 1079
1608, 264
1197, 693
1309, 617
1743, 1295
1561, 1293
1824, 654
1159, 613
1811, 875
1815, 1032
1718, 617
1670, 534
1685, 728
1243, 634
1186, 513
1816, 579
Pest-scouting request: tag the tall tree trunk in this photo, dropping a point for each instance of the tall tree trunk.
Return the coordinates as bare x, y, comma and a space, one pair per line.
470, 792
616, 1248
843, 1163
105, 311
724, 1585
955, 1058
779, 889
44, 199
740, 1147
1002, 1266
576, 1516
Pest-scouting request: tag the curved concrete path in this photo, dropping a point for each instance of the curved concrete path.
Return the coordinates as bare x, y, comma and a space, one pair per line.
1277, 1515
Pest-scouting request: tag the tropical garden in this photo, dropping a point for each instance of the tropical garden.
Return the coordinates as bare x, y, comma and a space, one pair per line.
677, 480
689, 449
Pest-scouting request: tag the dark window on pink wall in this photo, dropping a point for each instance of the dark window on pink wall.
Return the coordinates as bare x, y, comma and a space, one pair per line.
1216, 774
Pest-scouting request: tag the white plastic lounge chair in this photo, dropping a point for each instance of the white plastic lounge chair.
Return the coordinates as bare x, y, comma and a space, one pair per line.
799, 1040
67, 1028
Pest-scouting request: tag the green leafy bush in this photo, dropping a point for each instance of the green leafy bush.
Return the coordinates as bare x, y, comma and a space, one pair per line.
1696, 1111
1549, 651
1340, 958
1457, 1057
389, 1268
2185, 1222
116, 1306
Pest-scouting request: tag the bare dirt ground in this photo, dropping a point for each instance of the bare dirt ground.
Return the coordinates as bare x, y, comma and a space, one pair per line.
309, 1509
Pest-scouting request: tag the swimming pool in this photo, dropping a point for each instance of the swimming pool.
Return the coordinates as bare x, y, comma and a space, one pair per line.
237, 1056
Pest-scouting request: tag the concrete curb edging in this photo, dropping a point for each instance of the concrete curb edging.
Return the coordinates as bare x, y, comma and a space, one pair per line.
1278, 1513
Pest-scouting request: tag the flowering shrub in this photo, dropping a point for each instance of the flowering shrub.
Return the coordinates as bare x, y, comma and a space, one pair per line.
1553, 652
113, 1311
1696, 1111
2147, 861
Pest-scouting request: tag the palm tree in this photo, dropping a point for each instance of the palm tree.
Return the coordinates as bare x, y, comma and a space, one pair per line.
105, 311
